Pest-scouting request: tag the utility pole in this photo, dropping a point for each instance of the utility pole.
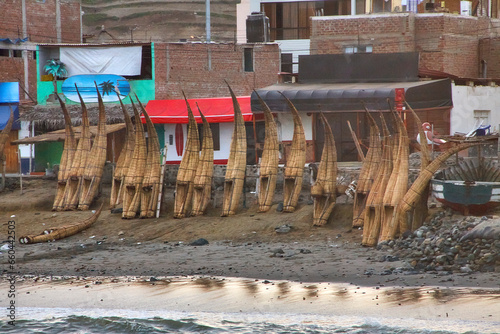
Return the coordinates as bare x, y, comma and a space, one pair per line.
207, 15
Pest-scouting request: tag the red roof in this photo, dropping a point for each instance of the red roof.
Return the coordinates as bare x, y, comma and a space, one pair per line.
216, 110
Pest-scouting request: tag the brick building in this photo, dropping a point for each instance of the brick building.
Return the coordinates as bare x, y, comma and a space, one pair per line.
200, 69
446, 43
24, 24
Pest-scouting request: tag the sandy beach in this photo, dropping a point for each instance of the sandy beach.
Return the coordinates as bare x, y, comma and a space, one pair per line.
118, 260
245, 245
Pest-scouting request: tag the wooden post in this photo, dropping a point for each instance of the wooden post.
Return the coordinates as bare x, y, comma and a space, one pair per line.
255, 141
160, 193
20, 171
3, 174
498, 146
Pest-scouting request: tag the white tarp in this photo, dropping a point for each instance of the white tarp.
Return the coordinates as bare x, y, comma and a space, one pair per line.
112, 60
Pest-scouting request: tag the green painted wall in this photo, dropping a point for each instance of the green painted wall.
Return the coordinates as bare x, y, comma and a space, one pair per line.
145, 89
160, 129
51, 152
47, 153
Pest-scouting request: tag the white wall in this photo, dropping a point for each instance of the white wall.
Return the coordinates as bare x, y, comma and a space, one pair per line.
286, 121
466, 99
225, 131
23, 133
243, 9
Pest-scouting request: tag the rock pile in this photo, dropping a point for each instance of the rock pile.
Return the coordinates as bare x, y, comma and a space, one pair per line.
451, 243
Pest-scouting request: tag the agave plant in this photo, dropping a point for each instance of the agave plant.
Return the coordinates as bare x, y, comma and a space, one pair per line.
57, 68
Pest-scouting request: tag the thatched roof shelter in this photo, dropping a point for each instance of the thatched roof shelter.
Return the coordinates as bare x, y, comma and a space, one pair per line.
50, 117
59, 135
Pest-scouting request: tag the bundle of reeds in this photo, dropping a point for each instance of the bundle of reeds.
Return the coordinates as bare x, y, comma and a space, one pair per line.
421, 209
67, 157
202, 183
324, 190
268, 171
75, 179
295, 163
398, 182
236, 164
187, 168
151, 183
95, 163
4, 136
136, 170
367, 173
123, 162
61, 232
417, 189
374, 207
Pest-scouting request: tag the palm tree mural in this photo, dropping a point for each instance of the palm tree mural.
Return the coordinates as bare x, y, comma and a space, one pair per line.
107, 87
57, 68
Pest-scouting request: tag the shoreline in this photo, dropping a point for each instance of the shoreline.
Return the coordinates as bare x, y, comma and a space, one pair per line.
477, 309
338, 261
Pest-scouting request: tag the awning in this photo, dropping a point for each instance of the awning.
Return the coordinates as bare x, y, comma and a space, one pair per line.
216, 110
350, 96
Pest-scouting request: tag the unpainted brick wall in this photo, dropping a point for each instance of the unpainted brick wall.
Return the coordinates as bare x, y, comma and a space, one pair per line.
200, 69
41, 20
448, 43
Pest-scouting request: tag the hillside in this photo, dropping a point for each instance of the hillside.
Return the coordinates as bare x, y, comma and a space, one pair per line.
157, 20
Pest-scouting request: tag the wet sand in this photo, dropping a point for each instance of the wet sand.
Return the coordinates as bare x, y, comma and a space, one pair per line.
476, 309
149, 264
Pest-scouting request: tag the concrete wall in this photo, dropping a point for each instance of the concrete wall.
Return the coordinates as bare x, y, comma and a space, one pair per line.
466, 99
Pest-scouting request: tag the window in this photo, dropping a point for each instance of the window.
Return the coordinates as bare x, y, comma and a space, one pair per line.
248, 60
4, 53
17, 53
291, 20
358, 49
482, 117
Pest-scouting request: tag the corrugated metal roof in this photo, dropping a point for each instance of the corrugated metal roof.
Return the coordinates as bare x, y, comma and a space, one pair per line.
336, 97
59, 135
91, 44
